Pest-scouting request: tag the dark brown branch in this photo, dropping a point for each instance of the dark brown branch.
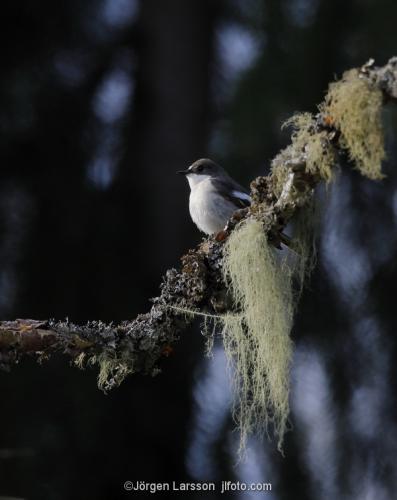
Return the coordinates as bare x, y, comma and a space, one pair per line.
138, 345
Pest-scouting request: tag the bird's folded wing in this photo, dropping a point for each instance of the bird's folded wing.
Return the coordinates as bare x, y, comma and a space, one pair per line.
233, 192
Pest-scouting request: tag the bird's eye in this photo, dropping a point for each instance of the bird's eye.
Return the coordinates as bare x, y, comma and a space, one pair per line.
199, 168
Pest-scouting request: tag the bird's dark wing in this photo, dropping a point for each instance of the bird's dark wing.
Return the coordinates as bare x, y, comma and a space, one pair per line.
232, 191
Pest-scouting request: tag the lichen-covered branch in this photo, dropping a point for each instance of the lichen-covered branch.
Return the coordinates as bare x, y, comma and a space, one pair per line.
349, 120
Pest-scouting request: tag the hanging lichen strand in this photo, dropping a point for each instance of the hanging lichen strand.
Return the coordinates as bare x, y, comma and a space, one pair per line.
353, 105
257, 339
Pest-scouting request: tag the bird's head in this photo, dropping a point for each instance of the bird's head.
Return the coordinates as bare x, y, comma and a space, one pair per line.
201, 170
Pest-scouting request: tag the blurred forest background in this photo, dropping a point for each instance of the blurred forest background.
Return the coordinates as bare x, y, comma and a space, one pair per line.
101, 101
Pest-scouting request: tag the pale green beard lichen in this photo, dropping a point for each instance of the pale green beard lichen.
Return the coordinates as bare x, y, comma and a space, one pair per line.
303, 259
257, 339
256, 336
314, 145
354, 107
112, 370
79, 360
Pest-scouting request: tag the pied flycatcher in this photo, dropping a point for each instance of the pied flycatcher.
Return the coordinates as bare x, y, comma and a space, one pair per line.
214, 195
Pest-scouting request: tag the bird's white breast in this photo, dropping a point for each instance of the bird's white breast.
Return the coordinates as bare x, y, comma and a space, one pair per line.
208, 209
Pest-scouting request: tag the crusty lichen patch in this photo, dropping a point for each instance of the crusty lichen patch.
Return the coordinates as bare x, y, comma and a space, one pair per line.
257, 338
353, 105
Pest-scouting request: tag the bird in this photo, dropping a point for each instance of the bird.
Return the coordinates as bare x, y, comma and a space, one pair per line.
214, 195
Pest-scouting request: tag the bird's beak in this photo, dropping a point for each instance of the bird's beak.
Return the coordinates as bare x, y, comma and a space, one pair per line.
183, 172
